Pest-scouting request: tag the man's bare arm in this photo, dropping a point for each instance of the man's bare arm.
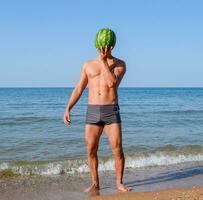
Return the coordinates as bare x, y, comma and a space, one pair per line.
113, 78
119, 73
109, 76
76, 94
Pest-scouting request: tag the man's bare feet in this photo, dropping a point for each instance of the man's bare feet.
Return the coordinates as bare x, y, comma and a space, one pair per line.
92, 189
122, 188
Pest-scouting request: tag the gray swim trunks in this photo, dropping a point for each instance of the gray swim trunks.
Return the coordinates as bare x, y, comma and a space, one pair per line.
103, 114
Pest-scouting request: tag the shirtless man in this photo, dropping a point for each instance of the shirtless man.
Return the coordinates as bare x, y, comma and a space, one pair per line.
103, 76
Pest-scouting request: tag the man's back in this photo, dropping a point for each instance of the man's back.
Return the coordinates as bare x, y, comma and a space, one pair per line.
99, 90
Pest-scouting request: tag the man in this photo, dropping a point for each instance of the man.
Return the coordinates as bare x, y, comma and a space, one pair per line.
103, 76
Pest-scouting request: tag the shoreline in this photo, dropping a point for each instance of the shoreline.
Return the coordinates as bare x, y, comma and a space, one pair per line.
141, 180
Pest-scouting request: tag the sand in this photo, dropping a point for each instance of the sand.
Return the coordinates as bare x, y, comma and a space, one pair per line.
194, 193
163, 182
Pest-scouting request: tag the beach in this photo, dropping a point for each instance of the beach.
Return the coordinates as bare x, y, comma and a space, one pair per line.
41, 158
175, 181
68, 67
193, 193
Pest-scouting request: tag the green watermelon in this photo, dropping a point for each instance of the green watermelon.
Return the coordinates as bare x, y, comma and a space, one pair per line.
105, 37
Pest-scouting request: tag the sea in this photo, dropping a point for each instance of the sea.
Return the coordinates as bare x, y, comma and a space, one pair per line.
160, 127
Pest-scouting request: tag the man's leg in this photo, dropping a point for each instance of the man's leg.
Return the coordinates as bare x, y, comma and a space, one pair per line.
114, 134
92, 135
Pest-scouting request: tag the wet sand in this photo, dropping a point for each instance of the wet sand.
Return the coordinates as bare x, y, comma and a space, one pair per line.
146, 183
194, 193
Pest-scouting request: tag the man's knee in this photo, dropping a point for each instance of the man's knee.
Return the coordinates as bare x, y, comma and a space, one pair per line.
118, 151
92, 150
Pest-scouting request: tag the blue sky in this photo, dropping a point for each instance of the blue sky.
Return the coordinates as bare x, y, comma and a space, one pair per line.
45, 42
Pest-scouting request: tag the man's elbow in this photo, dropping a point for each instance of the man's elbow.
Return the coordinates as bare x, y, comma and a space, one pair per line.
79, 90
112, 84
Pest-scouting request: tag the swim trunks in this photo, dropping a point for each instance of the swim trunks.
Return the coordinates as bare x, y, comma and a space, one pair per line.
103, 114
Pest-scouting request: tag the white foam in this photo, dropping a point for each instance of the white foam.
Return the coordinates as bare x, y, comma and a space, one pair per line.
51, 169
48, 169
157, 159
4, 166
80, 166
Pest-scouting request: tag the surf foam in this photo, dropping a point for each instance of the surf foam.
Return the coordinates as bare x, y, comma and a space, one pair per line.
80, 166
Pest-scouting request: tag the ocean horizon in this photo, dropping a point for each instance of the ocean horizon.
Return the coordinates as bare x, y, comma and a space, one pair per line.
172, 87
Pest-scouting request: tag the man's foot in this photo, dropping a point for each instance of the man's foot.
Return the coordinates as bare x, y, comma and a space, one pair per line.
93, 188
122, 188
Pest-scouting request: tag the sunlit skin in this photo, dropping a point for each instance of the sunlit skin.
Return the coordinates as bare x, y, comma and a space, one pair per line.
102, 76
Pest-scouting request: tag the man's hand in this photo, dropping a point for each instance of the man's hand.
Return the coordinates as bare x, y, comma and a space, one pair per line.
66, 117
104, 52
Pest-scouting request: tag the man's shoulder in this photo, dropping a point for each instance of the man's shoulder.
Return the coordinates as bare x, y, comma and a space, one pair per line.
120, 62
87, 64
90, 62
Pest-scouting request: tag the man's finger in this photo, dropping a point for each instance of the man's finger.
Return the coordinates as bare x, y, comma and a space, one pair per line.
103, 50
66, 120
106, 49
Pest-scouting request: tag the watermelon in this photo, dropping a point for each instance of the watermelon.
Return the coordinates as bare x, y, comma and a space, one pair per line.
105, 37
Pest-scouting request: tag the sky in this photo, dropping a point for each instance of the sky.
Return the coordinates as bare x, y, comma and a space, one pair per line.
44, 43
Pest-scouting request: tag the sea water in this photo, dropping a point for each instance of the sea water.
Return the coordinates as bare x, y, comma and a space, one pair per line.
160, 126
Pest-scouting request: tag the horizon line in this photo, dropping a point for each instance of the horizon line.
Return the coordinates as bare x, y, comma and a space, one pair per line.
86, 88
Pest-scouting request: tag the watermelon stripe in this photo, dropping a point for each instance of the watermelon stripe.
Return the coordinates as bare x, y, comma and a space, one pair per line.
99, 40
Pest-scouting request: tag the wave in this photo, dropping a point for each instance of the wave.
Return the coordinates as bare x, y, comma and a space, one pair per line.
189, 111
140, 112
166, 149
56, 167
24, 120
